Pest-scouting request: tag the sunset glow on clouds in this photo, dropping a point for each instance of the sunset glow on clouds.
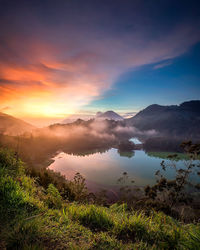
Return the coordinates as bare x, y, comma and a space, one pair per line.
57, 58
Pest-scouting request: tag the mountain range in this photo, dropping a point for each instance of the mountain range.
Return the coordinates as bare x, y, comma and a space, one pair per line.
109, 115
74, 117
175, 120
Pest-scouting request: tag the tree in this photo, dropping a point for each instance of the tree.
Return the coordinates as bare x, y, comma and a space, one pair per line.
171, 193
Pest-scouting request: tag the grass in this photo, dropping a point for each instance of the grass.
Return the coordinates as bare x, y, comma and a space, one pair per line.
82, 228
164, 155
91, 216
33, 217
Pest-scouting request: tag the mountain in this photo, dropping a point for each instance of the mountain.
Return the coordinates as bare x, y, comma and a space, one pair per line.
176, 120
10, 125
110, 115
74, 117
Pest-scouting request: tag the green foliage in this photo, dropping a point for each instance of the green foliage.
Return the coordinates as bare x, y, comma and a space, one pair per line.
25, 234
29, 224
91, 216
17, 191
53, 198
12, 197
133, 228
10, 164
194, 239
165, 155
44, 177
105, 241
14, 200
119, 208
156, 231
78, 187
168, 194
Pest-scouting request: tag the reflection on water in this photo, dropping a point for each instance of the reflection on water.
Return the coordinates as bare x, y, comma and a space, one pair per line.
135, 140
103, 169
126, 154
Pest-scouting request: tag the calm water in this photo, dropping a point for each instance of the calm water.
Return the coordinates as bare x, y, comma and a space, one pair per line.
102, 170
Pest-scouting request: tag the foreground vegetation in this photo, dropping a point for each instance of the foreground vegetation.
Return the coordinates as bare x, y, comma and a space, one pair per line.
36, 215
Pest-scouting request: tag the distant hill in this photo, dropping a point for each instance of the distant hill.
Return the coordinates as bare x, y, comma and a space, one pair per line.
10, 125
110, 115
74, 117
176, 120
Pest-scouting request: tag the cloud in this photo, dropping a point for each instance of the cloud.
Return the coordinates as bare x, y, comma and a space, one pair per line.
94, 131
98, 131
128, 114
134, 131
55, 62
162, 65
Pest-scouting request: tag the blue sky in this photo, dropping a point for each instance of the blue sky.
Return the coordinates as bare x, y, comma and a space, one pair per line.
65, 57
166, 83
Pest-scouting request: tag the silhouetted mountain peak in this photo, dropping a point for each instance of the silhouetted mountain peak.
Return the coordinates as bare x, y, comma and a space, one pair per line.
193, 106
174, 120
153, 108
110, 115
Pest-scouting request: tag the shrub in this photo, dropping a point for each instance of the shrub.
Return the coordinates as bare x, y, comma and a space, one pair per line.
53, 198
10, 164
44, 177
172, 193
78, 187
13, 199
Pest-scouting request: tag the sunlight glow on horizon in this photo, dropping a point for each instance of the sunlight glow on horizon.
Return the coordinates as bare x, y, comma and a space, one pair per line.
60, 58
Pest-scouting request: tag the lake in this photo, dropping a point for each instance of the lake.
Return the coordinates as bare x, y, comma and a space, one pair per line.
102, 170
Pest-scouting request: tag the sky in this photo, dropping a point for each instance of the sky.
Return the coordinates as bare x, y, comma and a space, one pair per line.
65, 57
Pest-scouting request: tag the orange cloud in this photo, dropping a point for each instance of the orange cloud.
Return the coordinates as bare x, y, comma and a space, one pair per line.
53, 72
48, 89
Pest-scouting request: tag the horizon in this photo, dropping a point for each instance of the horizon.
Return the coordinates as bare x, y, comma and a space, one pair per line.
79, 57
84, 116
99, 124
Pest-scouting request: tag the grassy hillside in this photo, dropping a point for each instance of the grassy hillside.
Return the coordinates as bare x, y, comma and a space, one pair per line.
10, 125
39, 217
